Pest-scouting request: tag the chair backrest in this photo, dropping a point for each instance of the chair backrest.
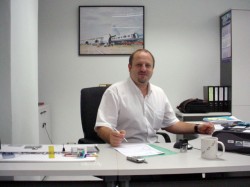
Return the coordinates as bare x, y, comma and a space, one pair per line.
90, 101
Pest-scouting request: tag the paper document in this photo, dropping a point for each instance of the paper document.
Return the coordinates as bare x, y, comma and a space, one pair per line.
222, 120
218, 127
137, 150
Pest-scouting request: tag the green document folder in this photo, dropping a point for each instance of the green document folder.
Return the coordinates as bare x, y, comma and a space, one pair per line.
164, 150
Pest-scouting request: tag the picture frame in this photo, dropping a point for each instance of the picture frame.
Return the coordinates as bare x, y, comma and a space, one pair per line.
110, 30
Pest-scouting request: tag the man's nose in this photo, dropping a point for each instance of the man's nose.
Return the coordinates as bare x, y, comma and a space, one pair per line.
143, 67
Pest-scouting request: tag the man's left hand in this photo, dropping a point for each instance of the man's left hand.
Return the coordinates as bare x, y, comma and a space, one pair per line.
206, 128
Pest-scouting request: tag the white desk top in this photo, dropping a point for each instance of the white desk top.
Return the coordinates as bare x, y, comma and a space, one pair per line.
113, 163
105, 165
183, 163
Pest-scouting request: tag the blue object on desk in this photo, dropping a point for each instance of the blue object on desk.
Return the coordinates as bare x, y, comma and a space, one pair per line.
243, 124
7, 155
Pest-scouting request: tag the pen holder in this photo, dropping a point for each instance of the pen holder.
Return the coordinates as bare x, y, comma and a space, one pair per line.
183, 145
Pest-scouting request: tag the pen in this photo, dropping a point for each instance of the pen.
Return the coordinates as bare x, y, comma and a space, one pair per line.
97, 148
119, 132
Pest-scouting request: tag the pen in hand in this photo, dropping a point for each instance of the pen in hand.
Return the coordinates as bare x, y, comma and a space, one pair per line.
119, 132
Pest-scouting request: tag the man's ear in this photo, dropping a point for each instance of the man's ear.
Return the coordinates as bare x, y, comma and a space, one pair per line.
129, 67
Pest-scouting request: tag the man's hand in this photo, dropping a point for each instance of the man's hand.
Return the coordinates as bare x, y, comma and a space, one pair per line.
206, 128
116, 138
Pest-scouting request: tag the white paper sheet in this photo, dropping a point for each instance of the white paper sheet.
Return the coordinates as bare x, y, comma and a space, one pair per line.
137, 150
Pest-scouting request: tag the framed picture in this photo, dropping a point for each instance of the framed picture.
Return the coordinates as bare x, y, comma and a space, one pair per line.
110, 30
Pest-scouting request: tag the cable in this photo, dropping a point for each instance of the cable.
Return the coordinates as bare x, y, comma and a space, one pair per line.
44, 126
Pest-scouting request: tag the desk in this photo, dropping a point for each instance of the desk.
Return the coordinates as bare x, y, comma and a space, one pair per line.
183, 163
105, 165
111, 163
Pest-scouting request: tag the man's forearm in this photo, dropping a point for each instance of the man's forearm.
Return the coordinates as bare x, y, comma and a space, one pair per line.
104, 133
181, 127
188, 128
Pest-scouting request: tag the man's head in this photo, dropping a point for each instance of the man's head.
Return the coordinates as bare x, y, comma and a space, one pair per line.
141, 66
141, 50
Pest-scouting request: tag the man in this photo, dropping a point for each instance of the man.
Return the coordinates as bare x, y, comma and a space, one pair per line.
138, 108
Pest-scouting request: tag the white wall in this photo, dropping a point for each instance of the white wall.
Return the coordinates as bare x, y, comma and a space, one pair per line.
182, 34
19, 71
241, 64
24, 73
5, 99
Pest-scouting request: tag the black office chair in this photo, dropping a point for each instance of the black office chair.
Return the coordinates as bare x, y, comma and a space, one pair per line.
165, 136
90, 101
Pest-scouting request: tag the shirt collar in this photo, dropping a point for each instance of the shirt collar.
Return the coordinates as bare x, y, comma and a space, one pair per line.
131, 82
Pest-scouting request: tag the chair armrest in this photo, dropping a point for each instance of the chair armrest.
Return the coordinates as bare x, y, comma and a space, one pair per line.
165, 136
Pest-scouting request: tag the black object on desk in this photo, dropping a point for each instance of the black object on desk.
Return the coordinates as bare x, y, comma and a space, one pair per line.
194, 106
235, 139
180, 143
8, 155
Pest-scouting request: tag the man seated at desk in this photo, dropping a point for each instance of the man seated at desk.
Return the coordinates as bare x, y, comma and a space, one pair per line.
138, 109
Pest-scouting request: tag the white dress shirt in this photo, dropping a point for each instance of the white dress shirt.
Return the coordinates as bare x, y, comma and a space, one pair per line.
124, 107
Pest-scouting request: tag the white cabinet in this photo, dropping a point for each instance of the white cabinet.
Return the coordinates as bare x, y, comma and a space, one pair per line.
235, 70
45, 136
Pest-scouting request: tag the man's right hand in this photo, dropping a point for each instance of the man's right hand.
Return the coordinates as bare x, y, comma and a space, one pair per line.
116, 138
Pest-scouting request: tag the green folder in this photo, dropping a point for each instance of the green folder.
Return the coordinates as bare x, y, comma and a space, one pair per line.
164, 150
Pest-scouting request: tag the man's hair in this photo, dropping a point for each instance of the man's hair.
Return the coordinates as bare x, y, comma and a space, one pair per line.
140, 50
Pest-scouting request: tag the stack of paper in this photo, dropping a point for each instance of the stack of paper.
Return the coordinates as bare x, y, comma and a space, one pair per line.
222, 120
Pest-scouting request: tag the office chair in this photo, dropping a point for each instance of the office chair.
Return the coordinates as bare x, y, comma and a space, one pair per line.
90, 101
165, 136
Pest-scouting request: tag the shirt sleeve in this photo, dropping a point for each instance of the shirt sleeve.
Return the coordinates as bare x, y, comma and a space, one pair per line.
169, 115
108, 110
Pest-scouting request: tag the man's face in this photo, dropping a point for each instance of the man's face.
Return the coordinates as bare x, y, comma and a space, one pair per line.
142, 68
